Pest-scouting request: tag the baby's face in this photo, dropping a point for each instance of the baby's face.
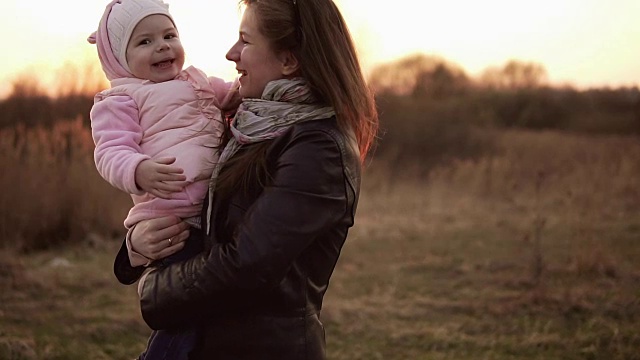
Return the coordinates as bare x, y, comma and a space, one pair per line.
154, 51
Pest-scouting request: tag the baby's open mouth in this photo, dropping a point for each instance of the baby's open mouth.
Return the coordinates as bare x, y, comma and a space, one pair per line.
163, 64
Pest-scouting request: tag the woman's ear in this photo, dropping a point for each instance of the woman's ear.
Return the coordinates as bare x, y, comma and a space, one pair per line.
290, 64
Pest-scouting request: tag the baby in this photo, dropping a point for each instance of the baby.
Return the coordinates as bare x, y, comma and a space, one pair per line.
157, 129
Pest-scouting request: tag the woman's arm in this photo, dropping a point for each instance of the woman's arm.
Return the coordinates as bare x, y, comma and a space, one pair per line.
306, 196
148, 240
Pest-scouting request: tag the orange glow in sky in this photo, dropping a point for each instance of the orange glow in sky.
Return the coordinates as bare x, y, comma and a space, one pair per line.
579, 42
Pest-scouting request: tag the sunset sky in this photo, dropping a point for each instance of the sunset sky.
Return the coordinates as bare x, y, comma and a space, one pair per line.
584, 43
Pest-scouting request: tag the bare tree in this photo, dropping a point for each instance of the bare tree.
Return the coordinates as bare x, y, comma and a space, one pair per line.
515, 75
416, 74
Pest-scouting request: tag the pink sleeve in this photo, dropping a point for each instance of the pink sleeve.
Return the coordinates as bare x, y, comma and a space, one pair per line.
220, 86
117, 134
226, 92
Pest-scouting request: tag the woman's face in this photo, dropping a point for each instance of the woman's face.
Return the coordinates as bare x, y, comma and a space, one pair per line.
255, 59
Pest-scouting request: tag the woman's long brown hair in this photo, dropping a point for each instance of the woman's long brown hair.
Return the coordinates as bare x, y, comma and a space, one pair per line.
316, 33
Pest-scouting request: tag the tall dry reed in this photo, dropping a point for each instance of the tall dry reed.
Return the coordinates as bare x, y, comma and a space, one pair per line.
52, 193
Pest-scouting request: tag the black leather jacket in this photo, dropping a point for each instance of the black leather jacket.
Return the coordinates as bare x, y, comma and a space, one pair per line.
256, 291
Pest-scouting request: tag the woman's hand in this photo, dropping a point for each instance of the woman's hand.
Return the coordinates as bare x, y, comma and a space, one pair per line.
159, 238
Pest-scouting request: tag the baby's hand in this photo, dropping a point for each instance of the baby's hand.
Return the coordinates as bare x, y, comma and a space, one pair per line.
157, 177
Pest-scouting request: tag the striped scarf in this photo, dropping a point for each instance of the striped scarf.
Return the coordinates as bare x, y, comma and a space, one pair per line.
284, 102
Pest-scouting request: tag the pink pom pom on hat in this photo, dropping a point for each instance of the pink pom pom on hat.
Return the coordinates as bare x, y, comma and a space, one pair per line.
114, 31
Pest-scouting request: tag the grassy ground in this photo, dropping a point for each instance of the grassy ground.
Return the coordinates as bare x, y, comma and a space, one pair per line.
530, 253
67, 305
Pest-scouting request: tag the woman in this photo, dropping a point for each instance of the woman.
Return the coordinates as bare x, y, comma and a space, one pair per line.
286, 190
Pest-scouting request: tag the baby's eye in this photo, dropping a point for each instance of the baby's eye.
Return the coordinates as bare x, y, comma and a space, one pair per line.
171, 36
145, 42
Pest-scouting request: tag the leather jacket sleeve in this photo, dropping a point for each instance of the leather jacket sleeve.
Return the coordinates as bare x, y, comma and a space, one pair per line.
306, 196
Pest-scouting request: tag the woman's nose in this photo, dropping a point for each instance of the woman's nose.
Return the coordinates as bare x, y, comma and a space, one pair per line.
233, 54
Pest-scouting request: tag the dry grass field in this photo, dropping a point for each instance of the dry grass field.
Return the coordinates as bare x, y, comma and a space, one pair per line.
530, 252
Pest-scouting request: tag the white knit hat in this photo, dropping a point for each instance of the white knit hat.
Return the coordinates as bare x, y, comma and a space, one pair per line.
123, 18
